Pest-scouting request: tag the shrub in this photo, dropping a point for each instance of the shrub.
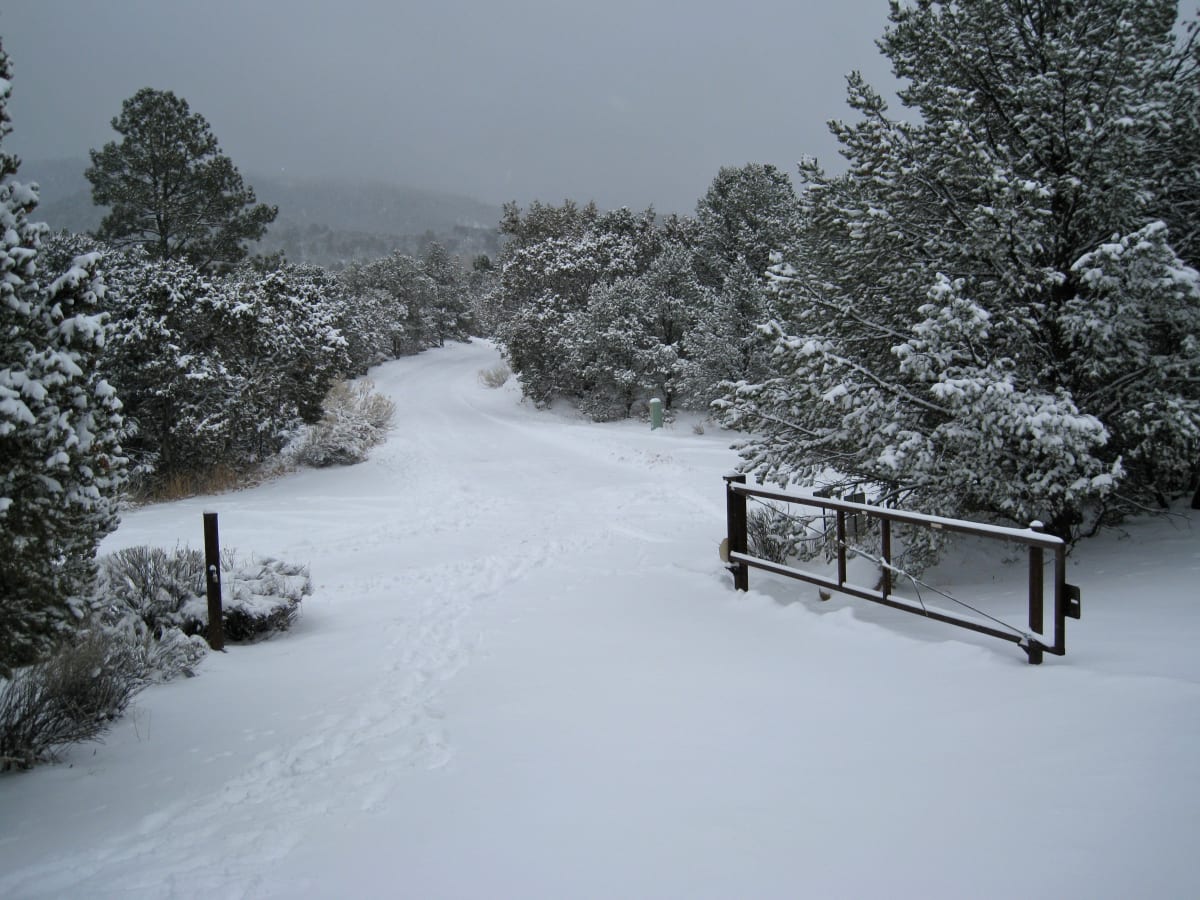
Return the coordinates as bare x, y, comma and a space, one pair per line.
152, 584
153, 487
71, 697
150, 611
770, 534
495, 377
166, 591
259, 598
356, 418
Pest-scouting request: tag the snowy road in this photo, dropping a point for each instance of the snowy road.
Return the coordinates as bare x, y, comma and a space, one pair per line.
523, 674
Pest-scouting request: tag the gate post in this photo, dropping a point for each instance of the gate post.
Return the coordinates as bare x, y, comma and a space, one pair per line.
212, 580
735, 530
1036, 622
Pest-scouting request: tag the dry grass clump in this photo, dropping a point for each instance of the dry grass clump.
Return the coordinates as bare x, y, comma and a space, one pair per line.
495, 377
356, 419
71, 697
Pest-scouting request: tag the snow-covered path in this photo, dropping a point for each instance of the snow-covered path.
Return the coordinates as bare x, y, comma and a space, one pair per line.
524, 674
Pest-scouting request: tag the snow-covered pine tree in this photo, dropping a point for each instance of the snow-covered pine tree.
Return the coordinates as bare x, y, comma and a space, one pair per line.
631, 341
555, 259
450, 311
289, 346
747, 213
404, 295
218, 370
981, 314
747, 217
61, 463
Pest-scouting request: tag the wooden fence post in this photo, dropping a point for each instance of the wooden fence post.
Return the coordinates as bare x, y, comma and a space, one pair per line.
735, 529
212, 579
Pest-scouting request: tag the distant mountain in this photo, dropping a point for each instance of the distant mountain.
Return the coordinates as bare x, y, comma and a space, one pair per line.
333, 221
373, 207
328, 221
66, 196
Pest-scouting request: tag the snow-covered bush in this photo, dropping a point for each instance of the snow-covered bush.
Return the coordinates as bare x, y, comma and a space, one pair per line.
166, 591
495, 377
70, 697
217, 371
259, 598
151, 583
160, 655
356, 419
398, 305
768, 534
62, 466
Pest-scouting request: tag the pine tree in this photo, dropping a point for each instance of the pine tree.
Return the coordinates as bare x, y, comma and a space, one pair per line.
631, 342
405, 298
450, 310
556, 258
981, 316
61, 463
748, 213
218, 370
170, 190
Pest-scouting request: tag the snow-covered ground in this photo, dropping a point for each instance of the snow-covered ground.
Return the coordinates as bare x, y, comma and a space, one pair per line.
524, 674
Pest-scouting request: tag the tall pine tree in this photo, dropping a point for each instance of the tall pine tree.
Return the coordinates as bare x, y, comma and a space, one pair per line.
983, 315
170, 190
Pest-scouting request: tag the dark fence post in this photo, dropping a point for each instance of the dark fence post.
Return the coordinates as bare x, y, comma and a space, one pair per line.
212, 572
885, 549
841, 546
735, 526
1036, 558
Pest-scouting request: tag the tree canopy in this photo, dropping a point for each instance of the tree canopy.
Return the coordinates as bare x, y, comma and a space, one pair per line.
169, 189
985, 313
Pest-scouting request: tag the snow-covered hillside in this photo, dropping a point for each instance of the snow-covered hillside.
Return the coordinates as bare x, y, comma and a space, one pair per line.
524, 674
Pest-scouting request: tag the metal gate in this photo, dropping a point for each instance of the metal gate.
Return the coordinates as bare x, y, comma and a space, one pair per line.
1035, 642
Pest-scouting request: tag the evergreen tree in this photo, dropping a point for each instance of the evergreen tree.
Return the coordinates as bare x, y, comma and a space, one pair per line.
555, 260
449, 306
61, 463
631, 341
170, 190
748, 213
1176, 147
482, 294
981, 315
217, 370
403, 298
725, 344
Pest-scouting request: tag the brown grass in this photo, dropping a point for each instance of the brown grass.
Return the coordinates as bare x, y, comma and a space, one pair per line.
220, 479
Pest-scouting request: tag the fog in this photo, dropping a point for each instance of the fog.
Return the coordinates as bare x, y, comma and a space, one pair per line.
628, 103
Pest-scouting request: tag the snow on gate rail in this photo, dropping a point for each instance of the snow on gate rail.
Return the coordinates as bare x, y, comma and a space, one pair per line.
1034, 642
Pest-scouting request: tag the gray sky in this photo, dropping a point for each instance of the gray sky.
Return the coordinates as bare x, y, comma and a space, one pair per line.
628, 102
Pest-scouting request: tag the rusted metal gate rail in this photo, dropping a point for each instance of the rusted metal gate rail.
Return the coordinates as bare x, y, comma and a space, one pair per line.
1066, 596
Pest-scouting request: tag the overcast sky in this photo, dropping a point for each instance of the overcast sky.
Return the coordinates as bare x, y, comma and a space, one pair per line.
628, 102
